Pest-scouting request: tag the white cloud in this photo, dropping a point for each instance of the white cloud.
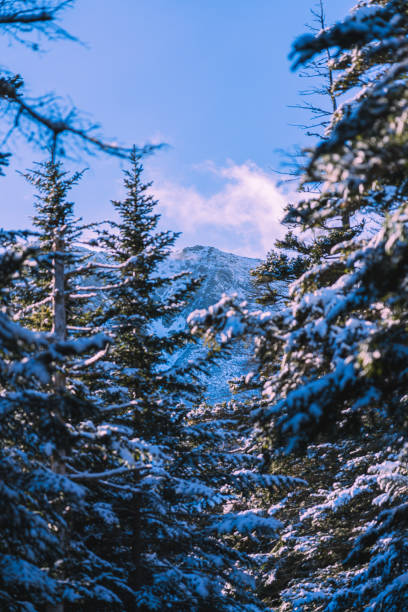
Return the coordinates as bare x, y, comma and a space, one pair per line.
242, 215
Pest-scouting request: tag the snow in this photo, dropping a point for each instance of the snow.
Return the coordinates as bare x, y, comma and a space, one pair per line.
246, 522
15, 571
106, 513
223, 273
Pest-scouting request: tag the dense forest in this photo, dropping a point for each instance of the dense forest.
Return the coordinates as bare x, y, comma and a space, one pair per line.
122, 488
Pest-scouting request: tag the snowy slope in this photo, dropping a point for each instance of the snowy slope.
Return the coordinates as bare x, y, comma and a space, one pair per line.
223, 273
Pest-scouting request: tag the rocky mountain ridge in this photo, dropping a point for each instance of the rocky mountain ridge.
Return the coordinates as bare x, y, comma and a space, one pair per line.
222, 272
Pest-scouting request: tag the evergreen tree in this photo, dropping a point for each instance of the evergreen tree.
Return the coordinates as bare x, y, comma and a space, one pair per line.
142, 298
89, 452
292, 257
46, 288
41, 427
339, 393
175, 543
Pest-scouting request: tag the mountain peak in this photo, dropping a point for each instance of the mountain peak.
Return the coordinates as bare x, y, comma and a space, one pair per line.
203, 251
221, 272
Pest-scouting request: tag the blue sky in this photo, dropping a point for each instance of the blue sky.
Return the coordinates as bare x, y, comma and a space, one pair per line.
209, 77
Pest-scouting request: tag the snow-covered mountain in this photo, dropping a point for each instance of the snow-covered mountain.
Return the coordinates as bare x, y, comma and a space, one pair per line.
222, 273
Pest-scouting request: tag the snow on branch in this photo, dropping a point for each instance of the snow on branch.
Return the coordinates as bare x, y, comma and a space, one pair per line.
31, 307
87, 362
357, 30
101, 475
246, 522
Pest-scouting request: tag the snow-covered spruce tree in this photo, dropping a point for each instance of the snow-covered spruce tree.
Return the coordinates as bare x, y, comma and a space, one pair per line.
342, 382
45, 289
142, 298
361, 167
97, 451
292, 257
174, 545
40, 426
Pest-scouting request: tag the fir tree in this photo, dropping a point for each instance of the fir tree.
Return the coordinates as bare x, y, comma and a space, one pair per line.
175, 542
45, 287
142, 297
342, 382
41, 426
89, 451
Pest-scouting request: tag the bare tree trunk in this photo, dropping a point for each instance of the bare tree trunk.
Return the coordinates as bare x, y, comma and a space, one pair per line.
58, 304
136, 574
60, 331
345, 217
